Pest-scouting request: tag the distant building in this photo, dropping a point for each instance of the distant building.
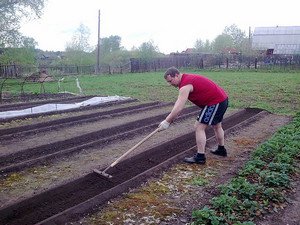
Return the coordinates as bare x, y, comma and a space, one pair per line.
47, 57
189, 51
279, 40
230, 50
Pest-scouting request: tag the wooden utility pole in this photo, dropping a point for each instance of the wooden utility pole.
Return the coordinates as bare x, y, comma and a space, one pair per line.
98, 46
249, 36
249, 48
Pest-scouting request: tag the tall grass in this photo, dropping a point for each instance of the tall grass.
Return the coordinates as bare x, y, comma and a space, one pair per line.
275, 92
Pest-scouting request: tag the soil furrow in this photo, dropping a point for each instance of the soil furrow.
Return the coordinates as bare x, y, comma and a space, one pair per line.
24, 105
54, 201
47, 149
87, 118
67, 110
40, 159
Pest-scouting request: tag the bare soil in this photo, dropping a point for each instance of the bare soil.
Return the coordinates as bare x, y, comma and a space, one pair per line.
180, 199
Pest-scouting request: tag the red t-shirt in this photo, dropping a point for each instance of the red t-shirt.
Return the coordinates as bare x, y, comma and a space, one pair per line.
205, 92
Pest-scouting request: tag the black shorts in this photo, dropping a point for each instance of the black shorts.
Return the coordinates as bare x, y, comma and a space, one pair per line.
213, 114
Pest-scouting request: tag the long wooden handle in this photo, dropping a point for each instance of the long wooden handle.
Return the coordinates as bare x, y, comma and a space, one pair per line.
134, 147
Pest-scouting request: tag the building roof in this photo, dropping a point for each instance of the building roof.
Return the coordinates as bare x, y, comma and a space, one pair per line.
283, 39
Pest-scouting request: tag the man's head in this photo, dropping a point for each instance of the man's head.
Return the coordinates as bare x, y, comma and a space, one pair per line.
172, 71
173, 76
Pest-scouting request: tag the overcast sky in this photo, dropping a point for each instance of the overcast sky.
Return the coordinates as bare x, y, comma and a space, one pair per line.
173, 25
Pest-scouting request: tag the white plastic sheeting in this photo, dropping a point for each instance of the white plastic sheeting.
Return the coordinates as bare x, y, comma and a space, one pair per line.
58, 107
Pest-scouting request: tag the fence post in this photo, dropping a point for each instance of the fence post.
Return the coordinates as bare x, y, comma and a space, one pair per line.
255, 63
1, 88
201, 63
227, 63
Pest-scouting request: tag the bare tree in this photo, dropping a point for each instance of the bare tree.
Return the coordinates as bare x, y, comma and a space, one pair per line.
80, 40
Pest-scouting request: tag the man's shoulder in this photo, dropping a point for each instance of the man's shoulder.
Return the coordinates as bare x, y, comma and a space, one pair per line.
192, 75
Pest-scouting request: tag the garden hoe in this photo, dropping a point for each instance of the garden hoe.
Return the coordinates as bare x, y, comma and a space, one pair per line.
106, 175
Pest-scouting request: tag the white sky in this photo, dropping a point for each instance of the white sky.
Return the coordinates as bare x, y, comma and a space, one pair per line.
173, 25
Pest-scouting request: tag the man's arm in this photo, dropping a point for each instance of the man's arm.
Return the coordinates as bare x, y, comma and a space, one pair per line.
180, 102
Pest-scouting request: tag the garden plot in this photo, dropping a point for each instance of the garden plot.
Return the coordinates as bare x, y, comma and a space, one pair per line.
22, 184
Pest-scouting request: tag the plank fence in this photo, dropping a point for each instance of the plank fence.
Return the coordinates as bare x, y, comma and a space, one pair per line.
139, 65
19, 71
210, 61
16, 71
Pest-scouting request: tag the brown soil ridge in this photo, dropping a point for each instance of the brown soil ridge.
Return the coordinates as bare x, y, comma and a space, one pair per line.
54, 201
75, 120
4, 108
24, 105
38, 155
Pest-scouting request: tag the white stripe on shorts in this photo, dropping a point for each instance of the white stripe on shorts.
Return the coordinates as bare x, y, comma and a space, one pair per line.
202, 113
214, 113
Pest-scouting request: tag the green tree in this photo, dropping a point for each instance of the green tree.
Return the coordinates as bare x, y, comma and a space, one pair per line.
112, 53
148, 50
110, 44
231, 37
117, 58
22, 56
203, 47
237, 35
28, 42
222, 42
78, 50
239, 38
11, 13
75, 57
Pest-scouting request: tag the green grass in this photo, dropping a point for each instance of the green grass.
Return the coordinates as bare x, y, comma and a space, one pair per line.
276, 92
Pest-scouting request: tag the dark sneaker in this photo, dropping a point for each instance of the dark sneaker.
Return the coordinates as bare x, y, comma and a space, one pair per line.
195, 159
220, 152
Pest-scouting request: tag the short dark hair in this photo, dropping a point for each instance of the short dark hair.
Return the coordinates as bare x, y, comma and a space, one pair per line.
172, 71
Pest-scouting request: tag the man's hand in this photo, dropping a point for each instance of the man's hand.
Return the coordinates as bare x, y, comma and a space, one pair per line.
163, 125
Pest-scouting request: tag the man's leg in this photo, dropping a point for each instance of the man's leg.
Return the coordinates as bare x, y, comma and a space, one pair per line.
201, 142
219, 133
200, 136
217, 126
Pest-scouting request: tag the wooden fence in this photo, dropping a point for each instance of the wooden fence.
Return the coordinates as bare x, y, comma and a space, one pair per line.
138, 65
17, 71
208, 61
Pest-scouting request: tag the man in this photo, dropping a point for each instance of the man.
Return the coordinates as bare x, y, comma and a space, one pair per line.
212, 100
